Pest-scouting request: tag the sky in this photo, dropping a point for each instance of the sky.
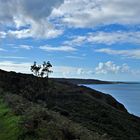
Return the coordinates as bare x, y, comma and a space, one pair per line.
96, 39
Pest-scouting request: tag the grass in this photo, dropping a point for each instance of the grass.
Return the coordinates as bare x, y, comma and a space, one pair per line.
39, 123
8, 123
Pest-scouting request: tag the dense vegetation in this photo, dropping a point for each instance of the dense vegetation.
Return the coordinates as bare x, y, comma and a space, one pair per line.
8, 123
59, 110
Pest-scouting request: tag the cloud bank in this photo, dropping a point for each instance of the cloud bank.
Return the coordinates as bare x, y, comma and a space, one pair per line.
133, 53
90, 13
57, 49
46, 19
107, 38
110, 67
103, 68
29, 17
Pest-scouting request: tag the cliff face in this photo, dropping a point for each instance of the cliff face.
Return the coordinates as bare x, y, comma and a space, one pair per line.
93, 110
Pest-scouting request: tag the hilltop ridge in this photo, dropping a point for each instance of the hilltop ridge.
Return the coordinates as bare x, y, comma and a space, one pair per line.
96, 114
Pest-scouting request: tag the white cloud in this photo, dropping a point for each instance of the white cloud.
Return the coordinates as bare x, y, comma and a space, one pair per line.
110, 67
59, 71
103, 69
67, 71
108, 38
90, 13
112, 71
3, 34
132, 53
33, 15
25, 33
61, 48
76, 40
12, 57
1, 49
75, 57
37, 18
13, 66
26, 47
64, 71
39, 29
23, 46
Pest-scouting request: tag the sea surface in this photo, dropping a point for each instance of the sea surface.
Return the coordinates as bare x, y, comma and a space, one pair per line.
127, 94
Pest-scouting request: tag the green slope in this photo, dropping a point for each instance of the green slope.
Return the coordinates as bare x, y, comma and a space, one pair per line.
9, 129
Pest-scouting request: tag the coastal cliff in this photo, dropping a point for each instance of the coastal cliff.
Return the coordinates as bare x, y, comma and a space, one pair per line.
61, 110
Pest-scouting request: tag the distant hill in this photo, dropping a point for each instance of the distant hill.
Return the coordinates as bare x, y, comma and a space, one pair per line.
84, 81
91, 81
60, 110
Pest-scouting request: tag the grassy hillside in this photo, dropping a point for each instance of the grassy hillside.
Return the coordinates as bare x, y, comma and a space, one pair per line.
59, 110
9, 129
21, 119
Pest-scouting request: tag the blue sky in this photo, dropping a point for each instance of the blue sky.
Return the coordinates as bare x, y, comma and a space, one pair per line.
82, 38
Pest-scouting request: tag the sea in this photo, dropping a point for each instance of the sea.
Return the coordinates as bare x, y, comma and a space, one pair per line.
127, 94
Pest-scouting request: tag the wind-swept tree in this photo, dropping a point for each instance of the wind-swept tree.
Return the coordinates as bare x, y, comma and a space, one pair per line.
35, 69
42, 71
46, 69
